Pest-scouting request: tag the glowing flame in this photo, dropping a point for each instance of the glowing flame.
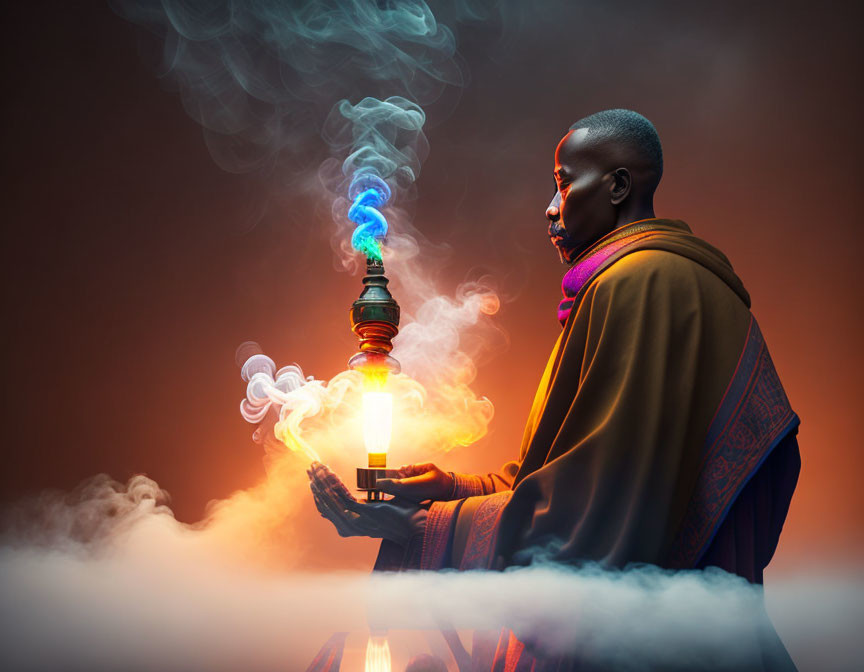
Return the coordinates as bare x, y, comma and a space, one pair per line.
377, 413
374, 375
377, 654
377, 426
299, 418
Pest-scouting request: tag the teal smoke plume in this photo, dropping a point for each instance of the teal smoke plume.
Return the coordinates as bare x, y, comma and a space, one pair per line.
385, 146
371, 193
260, 76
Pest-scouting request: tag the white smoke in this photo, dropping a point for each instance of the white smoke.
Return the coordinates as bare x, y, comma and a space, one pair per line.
105, 578
147, 593
260, 76
448, 334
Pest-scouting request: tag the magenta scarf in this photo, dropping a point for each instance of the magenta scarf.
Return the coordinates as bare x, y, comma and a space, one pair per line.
590, 261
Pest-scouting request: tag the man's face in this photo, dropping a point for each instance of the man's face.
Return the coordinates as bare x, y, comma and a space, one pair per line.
581, 211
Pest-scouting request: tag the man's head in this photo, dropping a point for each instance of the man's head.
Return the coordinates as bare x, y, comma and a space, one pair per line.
607, 168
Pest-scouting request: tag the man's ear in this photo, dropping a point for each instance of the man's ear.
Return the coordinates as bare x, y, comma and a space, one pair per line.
621, 185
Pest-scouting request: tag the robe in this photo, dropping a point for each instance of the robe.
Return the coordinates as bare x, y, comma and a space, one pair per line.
659, 432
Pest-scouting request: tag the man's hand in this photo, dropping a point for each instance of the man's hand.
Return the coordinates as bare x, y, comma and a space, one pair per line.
419, 482
396, 520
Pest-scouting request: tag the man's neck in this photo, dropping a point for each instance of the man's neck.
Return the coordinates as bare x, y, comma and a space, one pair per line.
625, 216
634, 213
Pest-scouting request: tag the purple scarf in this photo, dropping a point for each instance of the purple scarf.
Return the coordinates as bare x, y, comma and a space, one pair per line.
589, 262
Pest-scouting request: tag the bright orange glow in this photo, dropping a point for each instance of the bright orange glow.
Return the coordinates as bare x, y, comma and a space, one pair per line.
377, 654
377, 414
374, 377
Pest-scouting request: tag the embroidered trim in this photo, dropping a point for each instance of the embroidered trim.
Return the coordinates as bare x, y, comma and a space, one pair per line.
651, 225
753, 416
437, 534
466, 485
480, 547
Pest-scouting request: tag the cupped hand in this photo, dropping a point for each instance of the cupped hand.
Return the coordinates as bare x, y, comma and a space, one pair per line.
397, 520
418, 483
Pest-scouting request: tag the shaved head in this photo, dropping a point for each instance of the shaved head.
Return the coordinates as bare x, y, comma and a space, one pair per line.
607, 169
634, 137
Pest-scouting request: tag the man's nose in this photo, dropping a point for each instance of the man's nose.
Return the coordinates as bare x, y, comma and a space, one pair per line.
552, 210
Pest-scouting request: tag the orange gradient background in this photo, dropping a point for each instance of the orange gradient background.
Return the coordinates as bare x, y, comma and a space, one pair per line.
133, 267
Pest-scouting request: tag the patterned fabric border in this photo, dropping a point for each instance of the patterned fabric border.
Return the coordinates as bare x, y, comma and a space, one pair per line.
480, 547
753, 416
436, 538
466, 485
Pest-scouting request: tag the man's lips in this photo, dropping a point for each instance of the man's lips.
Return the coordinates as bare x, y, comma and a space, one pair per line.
556, 234
561, 241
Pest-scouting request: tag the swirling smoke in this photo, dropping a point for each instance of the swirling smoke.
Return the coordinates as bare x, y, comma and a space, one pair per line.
267, 81
112, 580
259, 76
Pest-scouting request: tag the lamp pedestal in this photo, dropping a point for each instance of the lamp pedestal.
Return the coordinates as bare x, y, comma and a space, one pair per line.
367, 479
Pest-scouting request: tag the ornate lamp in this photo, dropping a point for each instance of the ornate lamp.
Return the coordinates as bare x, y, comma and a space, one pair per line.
375, 320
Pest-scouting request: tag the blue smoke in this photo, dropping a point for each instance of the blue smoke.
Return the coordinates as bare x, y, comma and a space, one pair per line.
385, 145
370, 193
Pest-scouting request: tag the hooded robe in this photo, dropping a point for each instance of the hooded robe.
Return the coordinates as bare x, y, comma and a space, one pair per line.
659, 432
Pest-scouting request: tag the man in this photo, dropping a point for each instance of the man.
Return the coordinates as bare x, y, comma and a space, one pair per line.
659, 432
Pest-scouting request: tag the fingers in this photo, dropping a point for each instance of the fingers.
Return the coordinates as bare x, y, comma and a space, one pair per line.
329, 481
415, 488
345, 522
327, 505
330, 484
336, 503
326, 508
331, 503
322, 506
352, 518
392, 486
409, 470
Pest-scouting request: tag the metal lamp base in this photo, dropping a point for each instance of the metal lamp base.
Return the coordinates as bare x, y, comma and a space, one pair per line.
367, 478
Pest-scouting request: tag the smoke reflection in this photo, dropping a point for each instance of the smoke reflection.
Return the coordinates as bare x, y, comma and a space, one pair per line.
148, 593
113, 581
